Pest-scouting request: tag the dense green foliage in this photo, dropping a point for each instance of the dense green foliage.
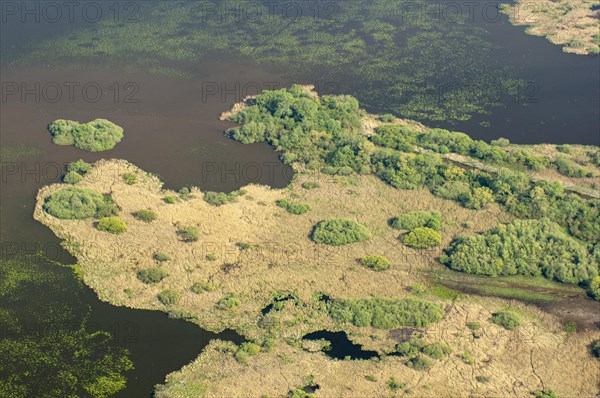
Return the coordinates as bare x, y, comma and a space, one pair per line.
45, 349
130, 178
246, 350
72, 177
545, 393
569, 168
144, 215
339, 232
377, 263
594, 287
114, 225
507, 319
386, 313
524, 247
152, 275
293, 208
161, 257
221, 198
79, 166
78, 204
189, 234
417, 219
95, 136
422, 238
169, 297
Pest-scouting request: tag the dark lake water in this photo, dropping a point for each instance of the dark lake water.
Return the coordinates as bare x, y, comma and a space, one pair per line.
172, 129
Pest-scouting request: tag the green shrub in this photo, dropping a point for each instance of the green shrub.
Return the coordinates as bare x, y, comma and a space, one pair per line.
419, 363
221, 198
410, 348
565, 148
594, 288
77, 204
479, 198
418, 219
482, 379
437, 350
114, 225
293, 208
189, 234
151, 275
545, 393
228, 302
130, 178
422, 238
596, 348
394, 385
79, 166
570, 327
72, 177
161, 257
386, 313
339, 232
500, 142
310, 185
170, 199
169, 297
569, 168
144, 215
377, 263
211, 257
201, 287
95, 136
387, 118
507, 319
474, 325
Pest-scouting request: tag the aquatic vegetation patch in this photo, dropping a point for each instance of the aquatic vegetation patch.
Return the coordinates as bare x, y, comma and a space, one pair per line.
95, 136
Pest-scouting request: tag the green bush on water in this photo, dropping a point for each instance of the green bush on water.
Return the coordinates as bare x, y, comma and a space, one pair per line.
95, 136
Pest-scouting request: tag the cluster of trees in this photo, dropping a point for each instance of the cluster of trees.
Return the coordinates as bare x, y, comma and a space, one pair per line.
524, 247
95, 136
314, 131
443, 141
569, 168
337, 232
78, 204
293, 208
76, 170
221, 198
386, 313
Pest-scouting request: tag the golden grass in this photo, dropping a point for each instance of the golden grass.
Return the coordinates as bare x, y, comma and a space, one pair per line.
281, 256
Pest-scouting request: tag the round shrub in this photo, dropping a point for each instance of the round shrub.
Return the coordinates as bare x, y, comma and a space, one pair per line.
72, 177
419, 363
144, 215
377, 263
170, 199
151, 275
95, 136
418, 219
293, 208
437, 350
188, 234
169, 297
387, 118
339, 232
228, 302
130, 178
161, 257
114, 225
79, 166
201, 287
422, 238
78, 204
507, 319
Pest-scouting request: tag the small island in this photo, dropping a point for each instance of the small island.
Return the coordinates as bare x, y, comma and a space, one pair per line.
96, 136
573, 24
360, 243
